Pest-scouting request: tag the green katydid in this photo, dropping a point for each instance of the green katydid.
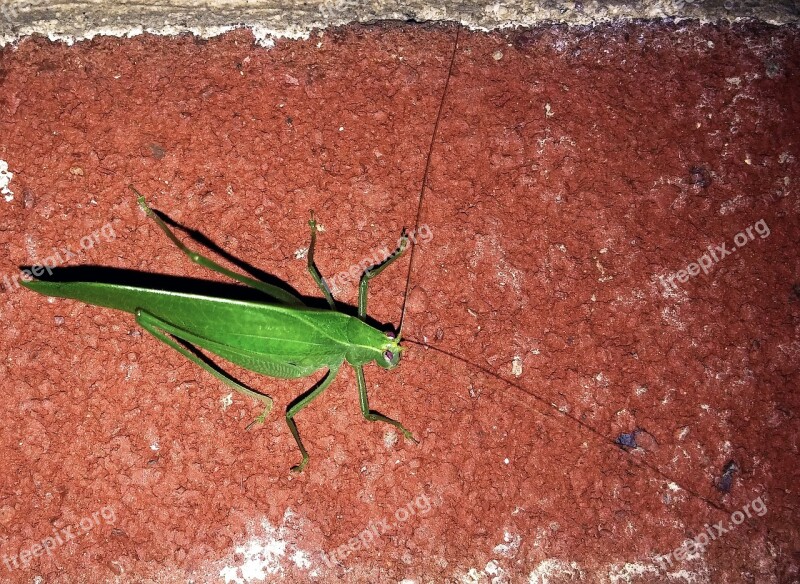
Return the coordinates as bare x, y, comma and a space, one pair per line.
281, 338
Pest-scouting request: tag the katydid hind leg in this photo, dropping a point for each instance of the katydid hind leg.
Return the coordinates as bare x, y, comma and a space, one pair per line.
156, 327
371, 415
312, 267
275, 292
299, 404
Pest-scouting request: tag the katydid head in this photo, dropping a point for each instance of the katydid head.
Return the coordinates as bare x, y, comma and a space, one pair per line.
392, 351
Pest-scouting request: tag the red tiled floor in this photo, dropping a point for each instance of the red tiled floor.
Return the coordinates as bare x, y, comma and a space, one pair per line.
574, 171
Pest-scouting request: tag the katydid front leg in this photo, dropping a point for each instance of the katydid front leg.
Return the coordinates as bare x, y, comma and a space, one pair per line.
373, 416
373, 271
367, 275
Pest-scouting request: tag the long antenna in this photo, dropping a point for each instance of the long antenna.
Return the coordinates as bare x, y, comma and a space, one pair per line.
602, 438
425, 180
550, 410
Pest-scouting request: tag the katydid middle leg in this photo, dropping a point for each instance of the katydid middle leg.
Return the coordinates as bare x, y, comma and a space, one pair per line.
300, 403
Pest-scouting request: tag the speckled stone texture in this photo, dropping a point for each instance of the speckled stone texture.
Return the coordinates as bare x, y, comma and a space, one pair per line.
578, 179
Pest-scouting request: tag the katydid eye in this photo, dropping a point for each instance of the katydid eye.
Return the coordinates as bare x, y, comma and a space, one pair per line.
390, 335
388, 355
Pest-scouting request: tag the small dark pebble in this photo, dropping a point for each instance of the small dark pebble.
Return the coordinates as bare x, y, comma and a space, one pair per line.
725, 482
628, 440
157, 150
699, 176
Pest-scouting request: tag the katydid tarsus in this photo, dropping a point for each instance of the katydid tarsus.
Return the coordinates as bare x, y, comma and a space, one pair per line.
281, 338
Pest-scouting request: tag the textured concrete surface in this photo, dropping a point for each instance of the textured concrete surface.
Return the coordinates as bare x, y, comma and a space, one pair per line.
279, 19
606, 382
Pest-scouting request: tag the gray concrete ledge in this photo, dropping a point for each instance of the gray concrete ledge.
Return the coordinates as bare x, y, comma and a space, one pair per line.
73, 21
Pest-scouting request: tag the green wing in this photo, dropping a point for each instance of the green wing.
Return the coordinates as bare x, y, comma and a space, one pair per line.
272, 339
